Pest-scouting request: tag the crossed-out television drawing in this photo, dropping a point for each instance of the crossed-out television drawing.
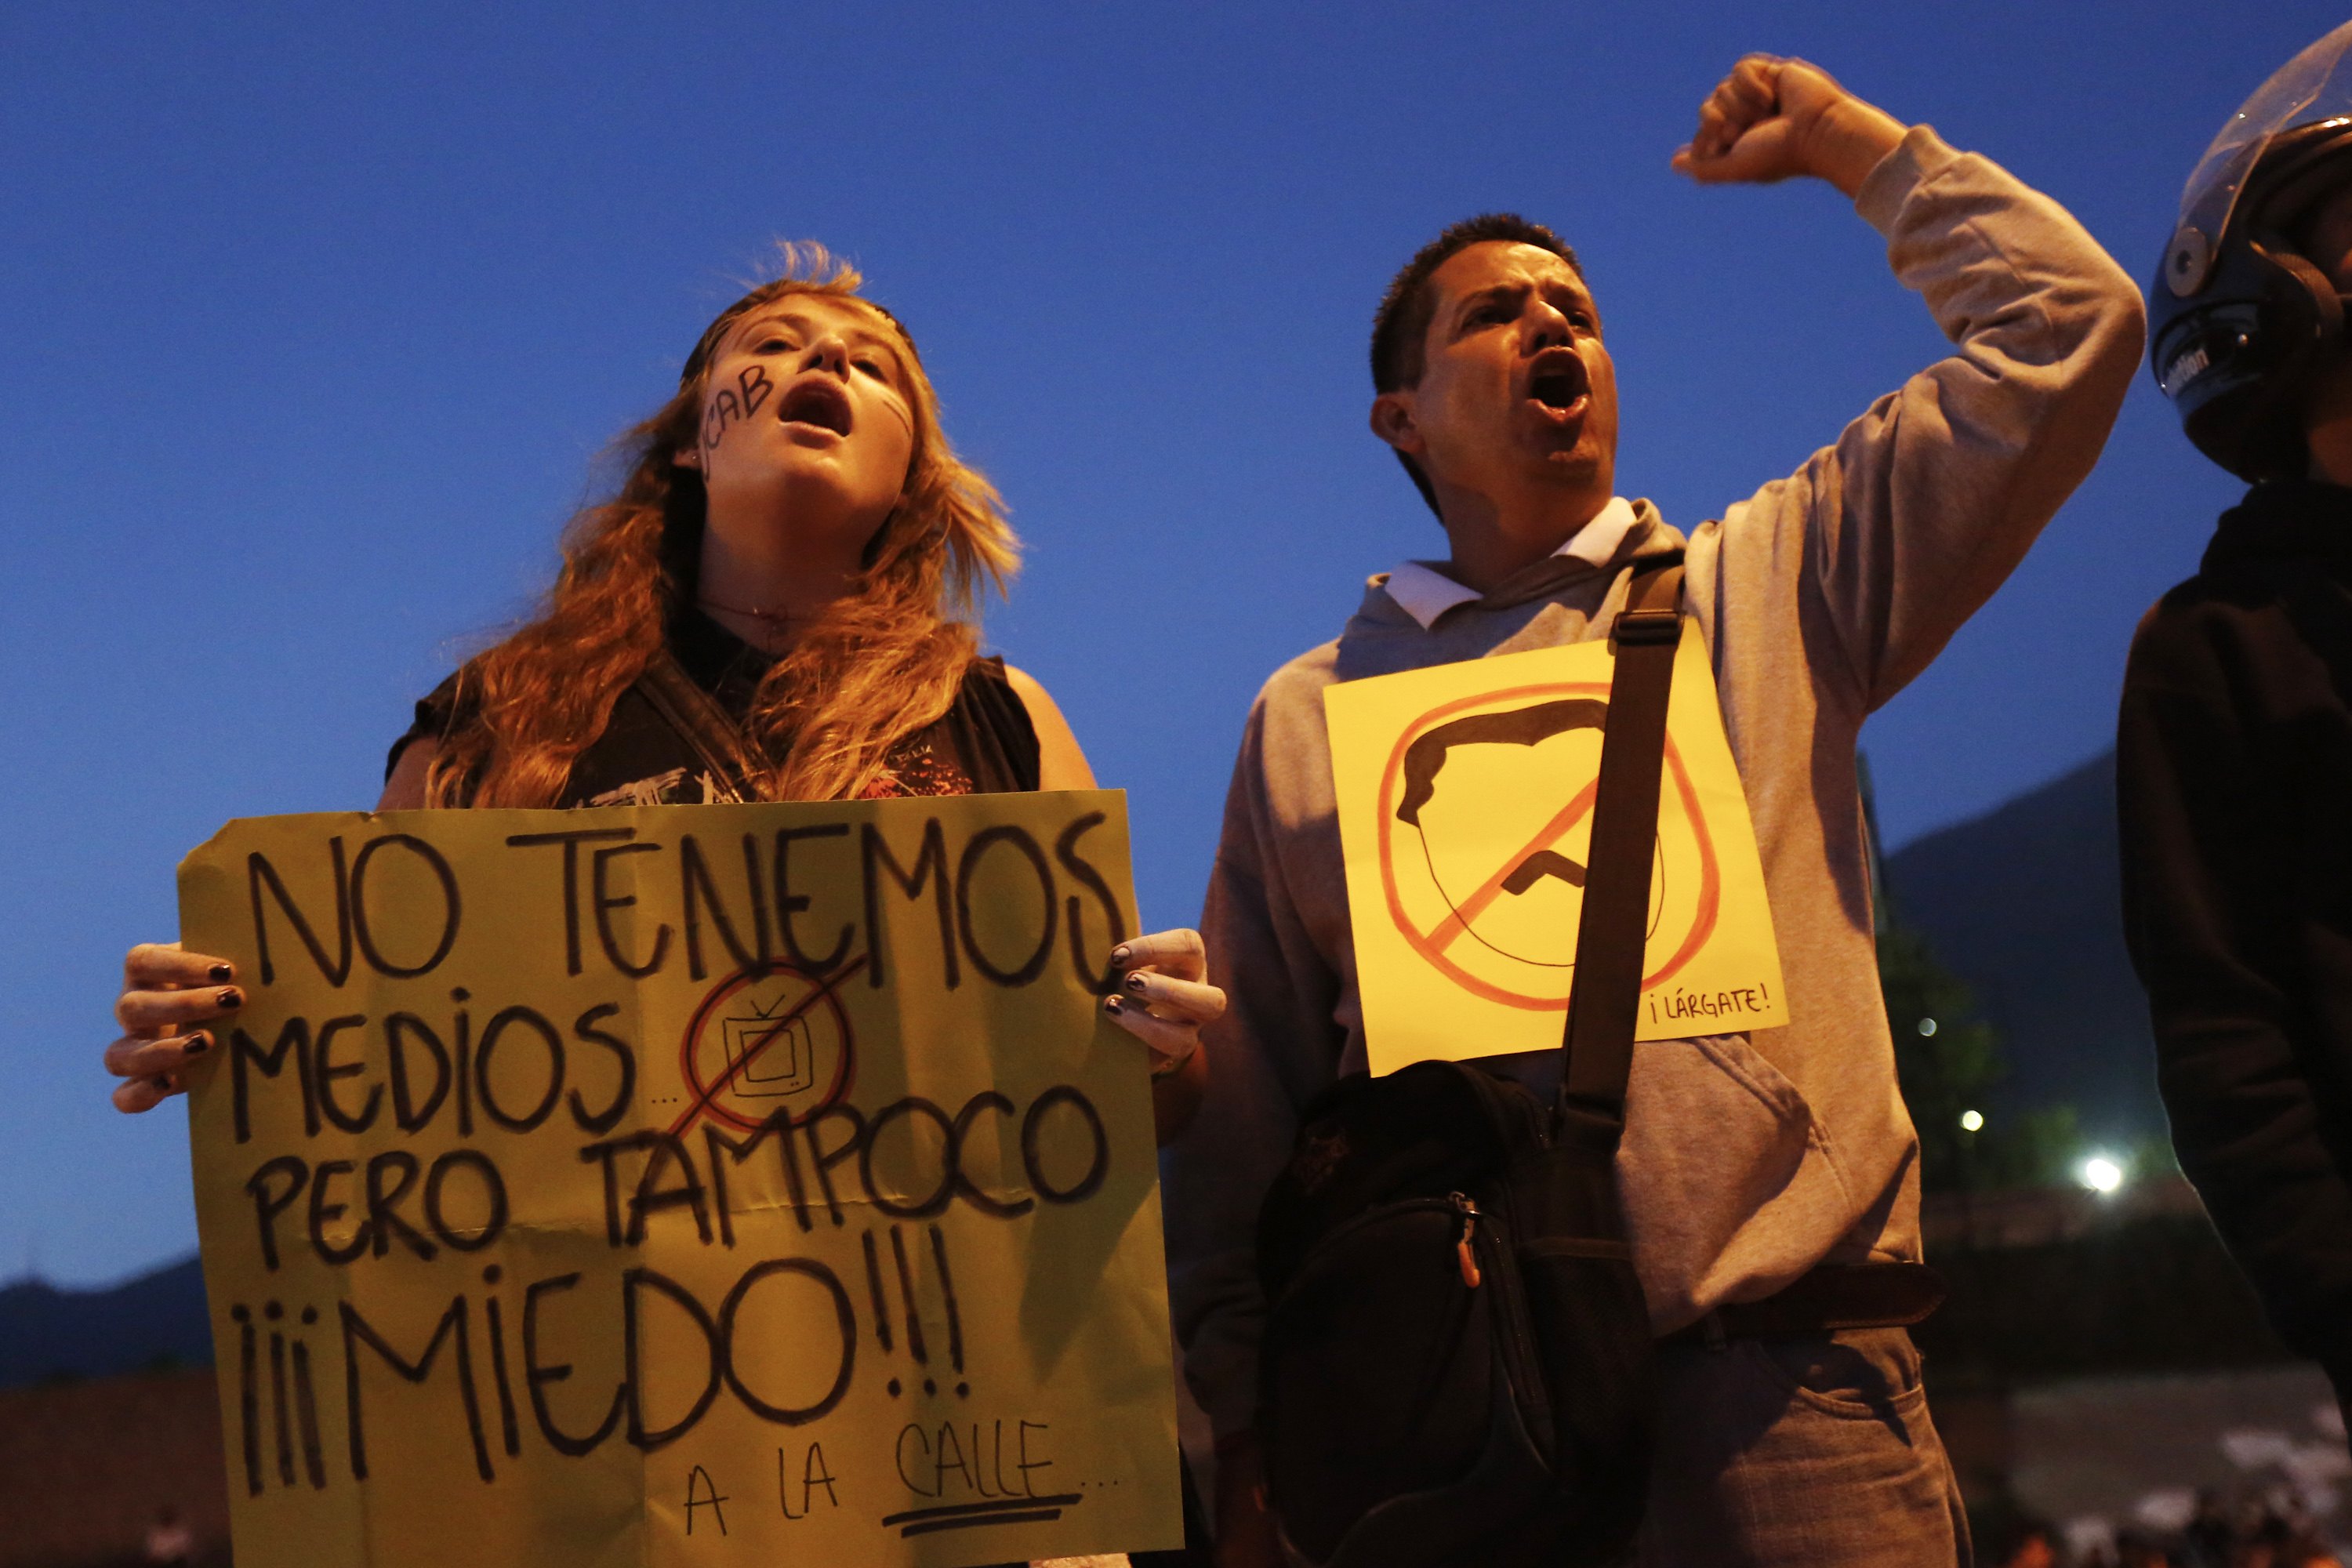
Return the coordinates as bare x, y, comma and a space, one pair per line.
775, 1057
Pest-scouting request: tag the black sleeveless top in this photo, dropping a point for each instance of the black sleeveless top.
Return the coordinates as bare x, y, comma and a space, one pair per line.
647, 754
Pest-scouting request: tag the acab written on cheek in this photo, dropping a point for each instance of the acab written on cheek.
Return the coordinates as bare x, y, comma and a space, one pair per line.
732, 403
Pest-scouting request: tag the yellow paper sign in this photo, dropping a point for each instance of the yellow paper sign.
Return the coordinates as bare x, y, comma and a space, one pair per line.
678, 1185
1465, 812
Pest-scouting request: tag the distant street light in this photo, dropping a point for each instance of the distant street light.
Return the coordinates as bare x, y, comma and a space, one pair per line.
2102, 1174
1971, 1121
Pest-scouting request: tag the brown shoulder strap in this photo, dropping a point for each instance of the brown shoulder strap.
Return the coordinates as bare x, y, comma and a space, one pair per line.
701, 723
1607, 996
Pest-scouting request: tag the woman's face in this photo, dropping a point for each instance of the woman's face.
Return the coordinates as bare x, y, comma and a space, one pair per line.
807, 421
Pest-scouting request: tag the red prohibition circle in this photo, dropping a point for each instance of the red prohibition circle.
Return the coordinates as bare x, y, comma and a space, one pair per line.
706, 1096
1425, 943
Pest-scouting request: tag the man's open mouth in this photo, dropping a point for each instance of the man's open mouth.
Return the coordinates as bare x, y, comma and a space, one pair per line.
818, 402
1560, 381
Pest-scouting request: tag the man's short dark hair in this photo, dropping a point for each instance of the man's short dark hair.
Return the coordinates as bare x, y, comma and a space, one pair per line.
1401, 326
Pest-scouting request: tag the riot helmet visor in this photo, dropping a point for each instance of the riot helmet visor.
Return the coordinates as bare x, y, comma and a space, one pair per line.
2315, 85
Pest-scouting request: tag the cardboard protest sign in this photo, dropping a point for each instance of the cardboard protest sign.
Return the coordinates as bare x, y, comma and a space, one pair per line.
682, 1185
1465, 810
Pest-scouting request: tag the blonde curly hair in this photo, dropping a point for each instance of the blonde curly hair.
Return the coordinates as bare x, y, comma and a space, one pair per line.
872, 669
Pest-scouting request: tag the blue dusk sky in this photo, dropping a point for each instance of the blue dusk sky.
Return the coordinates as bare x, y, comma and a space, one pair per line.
315, 320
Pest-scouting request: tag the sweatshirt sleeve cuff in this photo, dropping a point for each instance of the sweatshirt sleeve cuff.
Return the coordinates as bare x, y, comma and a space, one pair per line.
1227, 1388
1919, 157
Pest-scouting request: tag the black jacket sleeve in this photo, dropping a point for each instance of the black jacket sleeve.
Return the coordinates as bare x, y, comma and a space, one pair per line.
2216, 929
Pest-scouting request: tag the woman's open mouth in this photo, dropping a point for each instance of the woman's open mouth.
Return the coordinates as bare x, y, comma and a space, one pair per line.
817, 402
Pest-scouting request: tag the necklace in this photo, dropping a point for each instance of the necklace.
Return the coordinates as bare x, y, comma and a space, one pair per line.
778, 617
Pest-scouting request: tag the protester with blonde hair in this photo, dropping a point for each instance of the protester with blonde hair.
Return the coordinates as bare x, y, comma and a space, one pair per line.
777, 604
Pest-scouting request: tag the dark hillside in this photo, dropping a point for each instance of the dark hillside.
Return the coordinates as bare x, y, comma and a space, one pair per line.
2022, 904
154, 1321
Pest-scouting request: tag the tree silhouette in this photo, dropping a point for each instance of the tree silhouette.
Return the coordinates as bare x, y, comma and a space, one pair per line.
1949, 1061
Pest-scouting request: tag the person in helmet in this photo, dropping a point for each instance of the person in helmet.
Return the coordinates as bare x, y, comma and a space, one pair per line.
2234, 744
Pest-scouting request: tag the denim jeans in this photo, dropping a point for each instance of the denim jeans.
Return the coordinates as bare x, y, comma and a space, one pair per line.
1815, 1451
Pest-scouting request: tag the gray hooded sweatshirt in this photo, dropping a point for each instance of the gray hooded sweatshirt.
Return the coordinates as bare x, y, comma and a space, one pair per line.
1748, 1158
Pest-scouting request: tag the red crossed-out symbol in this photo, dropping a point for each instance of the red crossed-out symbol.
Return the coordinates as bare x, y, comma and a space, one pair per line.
1433, 944
822, 1002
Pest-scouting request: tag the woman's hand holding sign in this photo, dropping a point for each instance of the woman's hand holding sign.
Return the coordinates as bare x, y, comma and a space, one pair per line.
1164, 1002
168, 996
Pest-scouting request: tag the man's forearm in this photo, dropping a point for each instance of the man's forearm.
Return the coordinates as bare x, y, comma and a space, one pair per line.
1930, 498
1853, 138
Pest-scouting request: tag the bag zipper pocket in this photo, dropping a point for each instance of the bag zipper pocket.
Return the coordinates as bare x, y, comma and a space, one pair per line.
1339, 1234
1488, 1255
1463, 1253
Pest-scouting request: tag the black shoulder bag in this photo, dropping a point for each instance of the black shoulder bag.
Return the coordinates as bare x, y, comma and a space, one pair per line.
1457, 1357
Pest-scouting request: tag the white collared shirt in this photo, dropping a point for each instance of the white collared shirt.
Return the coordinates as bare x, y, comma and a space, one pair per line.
1424, 592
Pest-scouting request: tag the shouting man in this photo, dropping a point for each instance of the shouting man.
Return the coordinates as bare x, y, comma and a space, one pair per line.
1748, 1160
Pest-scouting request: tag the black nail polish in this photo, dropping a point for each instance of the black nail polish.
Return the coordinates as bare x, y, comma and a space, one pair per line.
222, 973
229, 998
1110, 1004
1120, 955
1135, 983
198, 1045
